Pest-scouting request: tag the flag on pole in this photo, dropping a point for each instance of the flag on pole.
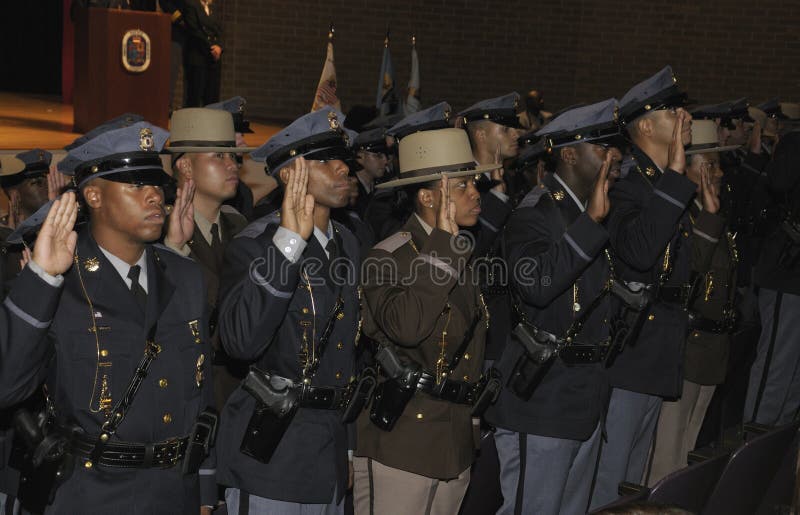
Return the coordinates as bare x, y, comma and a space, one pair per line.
326, 89
413, 103
386, 99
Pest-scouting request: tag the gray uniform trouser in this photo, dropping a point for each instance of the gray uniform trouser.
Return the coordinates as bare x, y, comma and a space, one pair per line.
630, 425
773, 394
555, 474
255, 505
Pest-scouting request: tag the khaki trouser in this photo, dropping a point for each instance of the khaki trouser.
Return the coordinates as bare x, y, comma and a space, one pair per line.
382, 490
678, 426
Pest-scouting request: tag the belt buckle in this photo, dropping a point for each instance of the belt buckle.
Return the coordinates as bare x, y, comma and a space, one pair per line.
173, 445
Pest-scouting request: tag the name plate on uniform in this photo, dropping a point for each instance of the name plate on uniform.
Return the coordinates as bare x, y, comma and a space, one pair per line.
136, 51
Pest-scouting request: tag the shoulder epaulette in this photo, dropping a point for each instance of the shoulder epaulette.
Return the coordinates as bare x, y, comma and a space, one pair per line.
533, 197
394, 242
259, 225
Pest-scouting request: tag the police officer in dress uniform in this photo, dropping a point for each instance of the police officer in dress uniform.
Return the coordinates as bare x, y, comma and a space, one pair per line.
423, 303
385, 213
649, 229
204, 152
91, 306
711, 308
372, 156
548, 443
202, 52
283, 278
773, 393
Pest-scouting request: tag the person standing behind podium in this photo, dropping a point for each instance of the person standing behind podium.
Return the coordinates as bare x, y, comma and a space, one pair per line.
202, 53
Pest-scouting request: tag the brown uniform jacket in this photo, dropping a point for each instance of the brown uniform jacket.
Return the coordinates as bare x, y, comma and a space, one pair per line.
407, 307
707, 353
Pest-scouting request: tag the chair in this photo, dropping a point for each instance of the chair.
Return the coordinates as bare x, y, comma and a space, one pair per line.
750, 472
687, 488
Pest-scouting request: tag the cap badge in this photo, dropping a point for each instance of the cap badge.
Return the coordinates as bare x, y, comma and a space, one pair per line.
616, 114
146, 139
333, 121
91, 264
558, 195
447, 114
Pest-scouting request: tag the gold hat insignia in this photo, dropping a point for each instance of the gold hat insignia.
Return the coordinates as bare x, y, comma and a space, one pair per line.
146, 139
333, 121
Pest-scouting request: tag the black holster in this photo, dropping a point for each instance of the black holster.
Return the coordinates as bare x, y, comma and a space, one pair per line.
531, 367
489, 386
200, 441
360, 396
392, 395
42, 455
627, 323
276, 406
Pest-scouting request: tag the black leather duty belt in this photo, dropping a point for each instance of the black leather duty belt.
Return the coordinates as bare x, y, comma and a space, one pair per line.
166, 454
708, 325
451, 390
675, 294
323, 397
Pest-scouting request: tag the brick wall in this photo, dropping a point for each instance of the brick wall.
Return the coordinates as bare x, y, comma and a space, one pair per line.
575, 51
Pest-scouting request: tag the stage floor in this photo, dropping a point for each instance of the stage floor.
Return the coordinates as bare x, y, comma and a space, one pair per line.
38, 121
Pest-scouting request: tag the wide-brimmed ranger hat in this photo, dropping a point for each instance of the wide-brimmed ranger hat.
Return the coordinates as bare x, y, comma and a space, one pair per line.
201, 129
429, 155
130, 154
705, 138
318, 135
660, 91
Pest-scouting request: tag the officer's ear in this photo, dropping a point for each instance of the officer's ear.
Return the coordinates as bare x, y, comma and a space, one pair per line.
183, 168
644, 126
93, 196
426, 198
568, 155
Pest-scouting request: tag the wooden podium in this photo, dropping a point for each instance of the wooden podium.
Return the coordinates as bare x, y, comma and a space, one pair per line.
122, 64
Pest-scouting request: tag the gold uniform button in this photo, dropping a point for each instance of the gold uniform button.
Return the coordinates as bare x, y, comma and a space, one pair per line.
340, 346
88, 464
466, 356
696, 334
466, 378
651, 317
305, 311
163, 383
338, 375
104, 353
419, 416
167, 418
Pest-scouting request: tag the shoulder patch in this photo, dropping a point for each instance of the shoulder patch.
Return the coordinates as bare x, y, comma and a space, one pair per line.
533, 197
394, 242
259, 225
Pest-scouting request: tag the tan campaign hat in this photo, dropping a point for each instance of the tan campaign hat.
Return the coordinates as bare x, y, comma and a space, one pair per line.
790, 110
705, 138
428, 155
10, 165
199, 129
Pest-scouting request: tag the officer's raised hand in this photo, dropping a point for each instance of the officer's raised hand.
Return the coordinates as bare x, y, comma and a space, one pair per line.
446, 218
498, 173
55, 244
677, 154
599, 204
709, 194
297, 210
180, 225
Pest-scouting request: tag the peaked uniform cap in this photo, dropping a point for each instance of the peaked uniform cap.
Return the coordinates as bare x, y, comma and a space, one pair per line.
434, 117
502, 110
316, 135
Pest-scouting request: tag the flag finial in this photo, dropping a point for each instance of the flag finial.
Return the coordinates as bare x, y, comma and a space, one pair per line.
330, 32
413, 40
386, 41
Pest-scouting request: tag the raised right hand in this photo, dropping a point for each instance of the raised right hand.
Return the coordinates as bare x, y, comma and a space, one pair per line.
599, 203
55, 244
446, 218
677, 154
297, 210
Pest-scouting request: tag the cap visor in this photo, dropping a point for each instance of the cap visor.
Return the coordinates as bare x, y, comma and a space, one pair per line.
200, 150
147, 176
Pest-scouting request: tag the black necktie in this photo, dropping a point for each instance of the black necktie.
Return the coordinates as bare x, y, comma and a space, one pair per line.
136, 288
216, 244
332, 249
